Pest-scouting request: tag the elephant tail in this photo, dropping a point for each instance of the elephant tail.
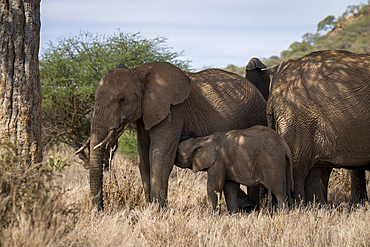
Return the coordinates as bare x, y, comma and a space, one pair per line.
289, 176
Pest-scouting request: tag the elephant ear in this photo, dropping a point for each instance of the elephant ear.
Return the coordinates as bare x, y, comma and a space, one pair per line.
164, 85
255, 63
203, 158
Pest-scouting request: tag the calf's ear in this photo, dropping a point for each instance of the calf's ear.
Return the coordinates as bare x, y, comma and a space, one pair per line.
204, 158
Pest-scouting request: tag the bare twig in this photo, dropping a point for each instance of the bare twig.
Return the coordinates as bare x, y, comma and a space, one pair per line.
57, 135
74, 105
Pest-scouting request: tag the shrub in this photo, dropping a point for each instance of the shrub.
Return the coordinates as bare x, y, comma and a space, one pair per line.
29, 199
127, 144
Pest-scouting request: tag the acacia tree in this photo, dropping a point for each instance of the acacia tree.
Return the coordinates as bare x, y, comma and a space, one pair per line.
327, 23
71, 70
20, 90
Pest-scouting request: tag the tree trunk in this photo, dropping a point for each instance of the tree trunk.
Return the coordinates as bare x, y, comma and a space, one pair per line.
20, 89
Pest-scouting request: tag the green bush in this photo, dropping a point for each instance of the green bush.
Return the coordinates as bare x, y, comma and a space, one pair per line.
127, 144
234, 69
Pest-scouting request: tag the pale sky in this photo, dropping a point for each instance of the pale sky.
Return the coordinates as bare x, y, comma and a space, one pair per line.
212, 33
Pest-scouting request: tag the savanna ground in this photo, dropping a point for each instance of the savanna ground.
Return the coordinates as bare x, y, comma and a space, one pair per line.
68, 220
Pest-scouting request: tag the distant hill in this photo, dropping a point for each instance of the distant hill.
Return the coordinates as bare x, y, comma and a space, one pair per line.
352, 34
350, 31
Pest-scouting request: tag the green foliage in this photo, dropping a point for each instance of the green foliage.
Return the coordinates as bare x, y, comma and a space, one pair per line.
274, 60
299, 46
354, 37
71, 70
56, 164
127, 144
351, 9
234, 69
327, 23
296, 50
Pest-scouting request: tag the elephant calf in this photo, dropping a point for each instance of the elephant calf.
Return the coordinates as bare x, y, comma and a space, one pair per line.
252, 157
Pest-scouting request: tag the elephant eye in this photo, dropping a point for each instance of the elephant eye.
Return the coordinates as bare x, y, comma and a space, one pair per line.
194, 152
121, 100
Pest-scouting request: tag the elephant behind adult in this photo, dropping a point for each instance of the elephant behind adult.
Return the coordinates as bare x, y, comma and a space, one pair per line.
166, 102
263, 78
320, 105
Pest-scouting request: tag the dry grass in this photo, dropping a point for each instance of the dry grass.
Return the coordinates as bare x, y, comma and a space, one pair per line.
188, 221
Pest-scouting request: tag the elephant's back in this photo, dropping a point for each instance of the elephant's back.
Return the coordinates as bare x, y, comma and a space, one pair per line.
256, 145
225, 101
224, 83
330, 72
258, 137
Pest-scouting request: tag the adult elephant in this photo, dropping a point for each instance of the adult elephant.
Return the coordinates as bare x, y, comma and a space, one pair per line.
165, 103
320, 105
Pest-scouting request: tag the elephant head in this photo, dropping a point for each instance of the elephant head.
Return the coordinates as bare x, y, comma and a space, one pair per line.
196, 153
127, 95
108, 152
258, 74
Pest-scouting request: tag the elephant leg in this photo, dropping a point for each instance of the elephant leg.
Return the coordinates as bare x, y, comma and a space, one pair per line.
215, 184
161, 168
274, 199
254, 195
244, 201
143, 156
358, 185
325, 176
299, 186
231, 191
316, 184
164, 141
257, 194
279, 192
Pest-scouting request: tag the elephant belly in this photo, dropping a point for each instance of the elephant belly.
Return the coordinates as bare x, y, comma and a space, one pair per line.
344, 145
243, 174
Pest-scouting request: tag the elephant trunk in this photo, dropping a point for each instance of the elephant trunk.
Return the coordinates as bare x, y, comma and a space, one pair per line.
98, 133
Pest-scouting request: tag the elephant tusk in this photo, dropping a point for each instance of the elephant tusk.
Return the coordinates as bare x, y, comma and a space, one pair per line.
118, 132
83, 147
109, 136
98, 146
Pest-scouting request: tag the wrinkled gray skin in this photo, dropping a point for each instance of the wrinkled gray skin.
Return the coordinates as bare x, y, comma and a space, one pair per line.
252, 157
246, 203
166, 102
108, 151
319, 104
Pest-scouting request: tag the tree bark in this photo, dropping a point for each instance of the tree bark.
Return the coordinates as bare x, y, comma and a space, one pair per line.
20, 88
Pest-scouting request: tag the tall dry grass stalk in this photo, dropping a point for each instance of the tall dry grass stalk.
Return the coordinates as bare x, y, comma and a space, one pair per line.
189, 221
32, 209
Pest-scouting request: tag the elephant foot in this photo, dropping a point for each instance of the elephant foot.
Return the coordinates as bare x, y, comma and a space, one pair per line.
316, 185
245, 203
